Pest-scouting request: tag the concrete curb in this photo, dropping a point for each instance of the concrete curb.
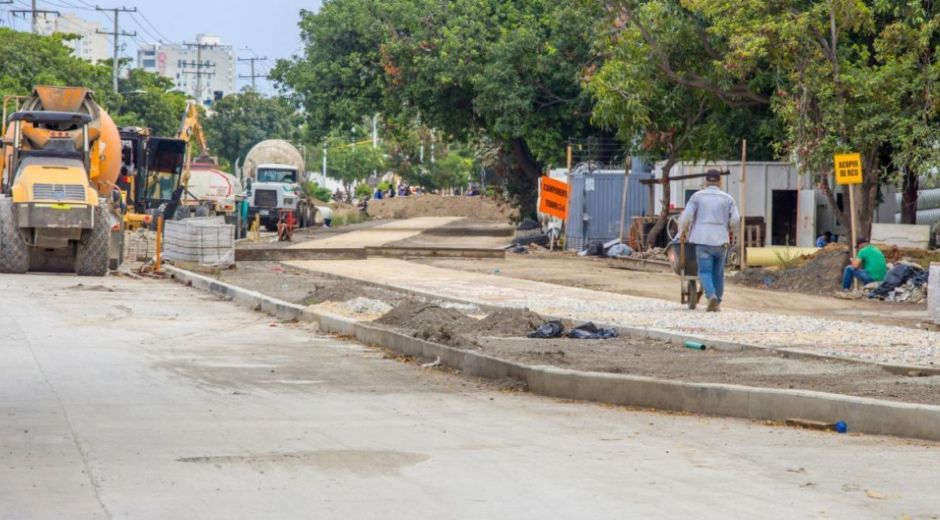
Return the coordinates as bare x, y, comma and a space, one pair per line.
863, 415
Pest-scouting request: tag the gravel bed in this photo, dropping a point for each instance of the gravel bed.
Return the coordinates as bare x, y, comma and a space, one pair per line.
882, 343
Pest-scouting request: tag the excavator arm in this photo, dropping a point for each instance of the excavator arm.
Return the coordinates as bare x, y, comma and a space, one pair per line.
191, 127
191, 130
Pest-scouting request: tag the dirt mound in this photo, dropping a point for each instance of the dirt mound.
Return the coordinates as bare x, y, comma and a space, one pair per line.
820, 273
429, 205
509, 322
419, 316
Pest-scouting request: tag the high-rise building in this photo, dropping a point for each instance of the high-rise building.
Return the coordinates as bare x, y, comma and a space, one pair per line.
89, 46
204, 69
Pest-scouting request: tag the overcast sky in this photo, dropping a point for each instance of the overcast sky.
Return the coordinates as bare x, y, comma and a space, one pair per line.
265, 28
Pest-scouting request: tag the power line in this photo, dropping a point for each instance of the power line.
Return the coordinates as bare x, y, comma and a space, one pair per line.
199, 65
35, 12
154, 27
252, 76
143, 28
117, 33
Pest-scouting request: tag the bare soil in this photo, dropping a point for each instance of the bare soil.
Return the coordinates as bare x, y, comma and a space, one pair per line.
820, 273
431, 322
502, 334
652, 358
303, 287
430, 205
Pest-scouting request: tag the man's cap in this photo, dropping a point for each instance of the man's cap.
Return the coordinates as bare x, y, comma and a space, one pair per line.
860, 241
713, 176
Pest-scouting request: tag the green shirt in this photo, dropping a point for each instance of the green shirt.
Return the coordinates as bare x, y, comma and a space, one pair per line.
873, 262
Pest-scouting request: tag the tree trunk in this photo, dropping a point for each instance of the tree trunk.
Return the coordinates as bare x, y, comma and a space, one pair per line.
841, 214
909, 197
524, 185
667, 195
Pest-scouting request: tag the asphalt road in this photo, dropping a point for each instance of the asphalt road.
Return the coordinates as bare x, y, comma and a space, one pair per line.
145, 399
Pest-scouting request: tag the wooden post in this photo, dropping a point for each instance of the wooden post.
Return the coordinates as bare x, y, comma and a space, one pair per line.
852, 219
742, 196
623, 201
569, 159
158, 257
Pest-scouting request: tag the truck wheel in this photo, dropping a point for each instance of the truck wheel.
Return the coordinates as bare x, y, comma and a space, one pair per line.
14, 252
91, 255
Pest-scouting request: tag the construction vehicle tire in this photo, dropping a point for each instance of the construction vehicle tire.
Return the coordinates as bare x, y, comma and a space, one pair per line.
92, 253
14, 252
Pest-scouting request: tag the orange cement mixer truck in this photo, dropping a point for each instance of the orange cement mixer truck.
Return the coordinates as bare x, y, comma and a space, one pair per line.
59, 206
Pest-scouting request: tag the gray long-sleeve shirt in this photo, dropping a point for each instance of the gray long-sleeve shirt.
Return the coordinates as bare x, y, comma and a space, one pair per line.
711, 213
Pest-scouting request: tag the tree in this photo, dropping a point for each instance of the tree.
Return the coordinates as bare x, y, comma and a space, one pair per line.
145, 99
642, 90
30, 60
352, 163
450, 171
510, 70
240, 121
847, 75
148, 100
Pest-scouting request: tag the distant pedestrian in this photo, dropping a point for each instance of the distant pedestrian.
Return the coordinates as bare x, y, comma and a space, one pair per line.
706, 220
869, 265
824, 240
327, 214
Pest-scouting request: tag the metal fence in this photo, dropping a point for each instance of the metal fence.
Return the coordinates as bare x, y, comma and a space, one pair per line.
596, 205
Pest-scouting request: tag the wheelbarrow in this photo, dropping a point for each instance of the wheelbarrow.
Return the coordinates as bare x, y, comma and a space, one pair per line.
682, 259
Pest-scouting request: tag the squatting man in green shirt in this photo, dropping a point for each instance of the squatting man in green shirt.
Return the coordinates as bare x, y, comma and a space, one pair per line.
869, 266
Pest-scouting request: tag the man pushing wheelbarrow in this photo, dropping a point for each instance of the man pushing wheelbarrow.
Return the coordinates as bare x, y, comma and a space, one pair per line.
704, 224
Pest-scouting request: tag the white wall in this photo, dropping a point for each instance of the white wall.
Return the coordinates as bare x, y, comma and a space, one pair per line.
762, 179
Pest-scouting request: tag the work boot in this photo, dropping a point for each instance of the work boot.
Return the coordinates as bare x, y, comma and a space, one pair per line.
713, 304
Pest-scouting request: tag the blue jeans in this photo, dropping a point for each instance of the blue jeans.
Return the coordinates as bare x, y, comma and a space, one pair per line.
711, 269
852, 273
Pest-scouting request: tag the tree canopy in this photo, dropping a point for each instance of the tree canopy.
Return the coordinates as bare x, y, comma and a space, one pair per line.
509, 70
240, 121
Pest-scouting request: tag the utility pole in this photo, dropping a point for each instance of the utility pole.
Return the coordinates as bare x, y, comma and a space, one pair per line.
116, 34
199, 65
35, 12
252, 76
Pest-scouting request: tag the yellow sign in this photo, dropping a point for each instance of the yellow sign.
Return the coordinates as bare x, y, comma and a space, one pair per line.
848, 168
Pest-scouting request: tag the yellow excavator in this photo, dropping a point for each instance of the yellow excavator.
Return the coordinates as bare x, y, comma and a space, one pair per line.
191, 130
157, 170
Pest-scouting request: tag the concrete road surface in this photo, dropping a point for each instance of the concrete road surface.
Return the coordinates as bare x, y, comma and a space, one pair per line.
143, 399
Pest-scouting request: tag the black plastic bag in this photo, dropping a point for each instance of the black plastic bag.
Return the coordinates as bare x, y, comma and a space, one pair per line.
590, 331
551, 329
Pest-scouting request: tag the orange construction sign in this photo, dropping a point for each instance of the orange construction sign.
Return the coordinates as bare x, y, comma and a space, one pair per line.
553, 198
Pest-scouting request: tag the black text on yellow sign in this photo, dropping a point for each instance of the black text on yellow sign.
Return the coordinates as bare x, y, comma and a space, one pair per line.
848, 168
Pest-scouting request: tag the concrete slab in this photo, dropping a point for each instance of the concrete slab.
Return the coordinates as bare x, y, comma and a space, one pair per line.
142, 399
